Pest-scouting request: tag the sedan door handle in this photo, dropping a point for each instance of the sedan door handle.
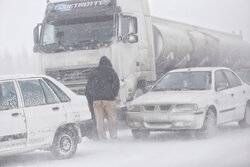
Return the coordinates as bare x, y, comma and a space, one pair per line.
14, 114
55, 108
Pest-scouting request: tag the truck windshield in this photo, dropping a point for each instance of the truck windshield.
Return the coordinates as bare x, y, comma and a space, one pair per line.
79, 34
184, 81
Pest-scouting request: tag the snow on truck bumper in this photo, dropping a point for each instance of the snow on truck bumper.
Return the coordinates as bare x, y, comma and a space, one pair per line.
166, 121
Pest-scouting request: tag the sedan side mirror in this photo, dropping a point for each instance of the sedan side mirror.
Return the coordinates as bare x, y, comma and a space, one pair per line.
221, 86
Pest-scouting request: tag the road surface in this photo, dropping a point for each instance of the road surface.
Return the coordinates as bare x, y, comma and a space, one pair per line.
230, 148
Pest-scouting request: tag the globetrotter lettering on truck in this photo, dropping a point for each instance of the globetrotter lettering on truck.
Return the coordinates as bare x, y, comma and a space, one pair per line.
68, 7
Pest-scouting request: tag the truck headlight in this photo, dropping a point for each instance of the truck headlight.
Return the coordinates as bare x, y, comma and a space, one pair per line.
134, 108
185, 108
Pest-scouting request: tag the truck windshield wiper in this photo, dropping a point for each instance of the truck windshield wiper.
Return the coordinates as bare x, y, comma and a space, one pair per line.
4, 108
53, 48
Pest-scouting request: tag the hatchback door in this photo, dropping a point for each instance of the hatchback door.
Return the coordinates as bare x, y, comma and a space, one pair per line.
12, 119
224, 97
44, 112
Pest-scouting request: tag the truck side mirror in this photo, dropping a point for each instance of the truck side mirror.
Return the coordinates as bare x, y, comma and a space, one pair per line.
132, 38
36, 36
128, 29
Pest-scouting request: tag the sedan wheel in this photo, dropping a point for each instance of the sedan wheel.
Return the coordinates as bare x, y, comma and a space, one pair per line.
64, 146
245, 123
209, 128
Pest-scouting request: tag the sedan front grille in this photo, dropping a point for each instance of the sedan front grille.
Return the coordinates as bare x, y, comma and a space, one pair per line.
149, 108
158, 108
165, 107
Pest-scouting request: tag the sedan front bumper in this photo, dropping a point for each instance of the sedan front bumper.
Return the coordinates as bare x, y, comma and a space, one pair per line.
159, 121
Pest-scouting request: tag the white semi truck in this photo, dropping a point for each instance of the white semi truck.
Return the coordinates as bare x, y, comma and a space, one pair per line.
75, 34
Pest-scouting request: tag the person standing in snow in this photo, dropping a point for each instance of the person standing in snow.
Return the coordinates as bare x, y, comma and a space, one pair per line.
103, 86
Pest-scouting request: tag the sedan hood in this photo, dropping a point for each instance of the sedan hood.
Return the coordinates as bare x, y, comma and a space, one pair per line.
169, 97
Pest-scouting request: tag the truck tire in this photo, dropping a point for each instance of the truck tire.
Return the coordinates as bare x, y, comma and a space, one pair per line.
209, 128
64, 146
245, 123
140, 134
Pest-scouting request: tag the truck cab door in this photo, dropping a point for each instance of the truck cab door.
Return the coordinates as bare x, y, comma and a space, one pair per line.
127, 53
44, 113
12, 119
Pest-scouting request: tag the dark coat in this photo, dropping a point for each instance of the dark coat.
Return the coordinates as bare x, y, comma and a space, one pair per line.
103, 82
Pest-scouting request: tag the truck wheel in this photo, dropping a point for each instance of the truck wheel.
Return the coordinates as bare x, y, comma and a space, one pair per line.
245, 123
140, 134
64, 146
209, 128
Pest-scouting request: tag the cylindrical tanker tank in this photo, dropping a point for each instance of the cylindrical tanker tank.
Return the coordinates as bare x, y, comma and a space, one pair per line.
179, 45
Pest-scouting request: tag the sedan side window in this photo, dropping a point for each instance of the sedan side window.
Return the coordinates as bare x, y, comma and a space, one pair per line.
234, 81
221, 82
8, 96
49, 96
32, 93
60, 94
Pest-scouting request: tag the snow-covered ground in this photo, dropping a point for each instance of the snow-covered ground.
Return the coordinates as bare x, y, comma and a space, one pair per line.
231, 148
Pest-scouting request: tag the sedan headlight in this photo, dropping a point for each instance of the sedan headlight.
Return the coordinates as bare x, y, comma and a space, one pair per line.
185, 108
134, 108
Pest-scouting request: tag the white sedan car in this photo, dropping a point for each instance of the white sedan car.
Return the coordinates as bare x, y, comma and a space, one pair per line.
37, 112
196, 99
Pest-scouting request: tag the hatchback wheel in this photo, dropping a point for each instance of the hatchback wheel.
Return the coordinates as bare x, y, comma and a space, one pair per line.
140, 134
209, 128
65, 145
245, 123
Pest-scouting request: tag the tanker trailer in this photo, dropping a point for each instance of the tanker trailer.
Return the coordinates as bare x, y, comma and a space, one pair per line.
179, 45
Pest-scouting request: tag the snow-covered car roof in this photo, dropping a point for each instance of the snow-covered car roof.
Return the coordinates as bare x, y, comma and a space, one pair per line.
198, 69
19, 76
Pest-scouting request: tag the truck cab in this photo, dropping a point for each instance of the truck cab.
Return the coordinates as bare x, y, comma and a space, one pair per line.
75, 34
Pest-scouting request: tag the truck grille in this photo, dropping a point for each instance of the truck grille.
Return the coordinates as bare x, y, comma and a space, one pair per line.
75, 79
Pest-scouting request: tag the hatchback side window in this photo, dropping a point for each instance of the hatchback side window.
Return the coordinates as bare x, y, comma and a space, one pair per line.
60, 94
32, 93
49, 96
8, 96
220, 81
234, 81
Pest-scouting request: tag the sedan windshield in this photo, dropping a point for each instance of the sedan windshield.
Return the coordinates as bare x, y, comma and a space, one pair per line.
184, 81
80, 34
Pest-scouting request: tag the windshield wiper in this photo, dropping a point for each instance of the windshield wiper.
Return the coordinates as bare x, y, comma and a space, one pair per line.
159, 89
5, 108
53, 48
90, 41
